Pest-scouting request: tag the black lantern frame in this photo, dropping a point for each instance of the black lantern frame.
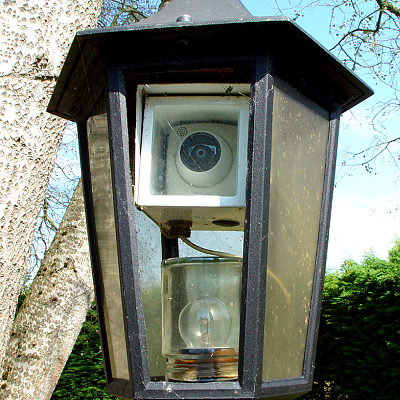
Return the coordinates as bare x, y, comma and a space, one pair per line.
102, 70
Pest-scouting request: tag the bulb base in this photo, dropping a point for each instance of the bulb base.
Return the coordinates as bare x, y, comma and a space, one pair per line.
203, 365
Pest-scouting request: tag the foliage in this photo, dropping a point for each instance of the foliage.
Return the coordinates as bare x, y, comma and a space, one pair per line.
358, 353
83, 376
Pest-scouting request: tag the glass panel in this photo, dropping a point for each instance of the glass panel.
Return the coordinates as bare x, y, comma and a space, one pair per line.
299, 140
150, 255
171, 115
103, 204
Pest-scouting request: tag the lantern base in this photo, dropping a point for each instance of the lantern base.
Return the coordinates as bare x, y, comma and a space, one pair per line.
203, 365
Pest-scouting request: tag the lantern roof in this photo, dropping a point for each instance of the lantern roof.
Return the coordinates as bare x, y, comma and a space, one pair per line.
215, 29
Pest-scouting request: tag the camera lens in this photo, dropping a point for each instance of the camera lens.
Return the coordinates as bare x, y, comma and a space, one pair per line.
200, 152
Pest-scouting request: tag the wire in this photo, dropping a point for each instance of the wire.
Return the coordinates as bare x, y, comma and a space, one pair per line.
206, 251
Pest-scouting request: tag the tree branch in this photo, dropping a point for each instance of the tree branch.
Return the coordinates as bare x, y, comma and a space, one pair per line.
389, 6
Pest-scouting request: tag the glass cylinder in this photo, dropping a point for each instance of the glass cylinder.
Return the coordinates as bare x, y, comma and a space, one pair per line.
200, 318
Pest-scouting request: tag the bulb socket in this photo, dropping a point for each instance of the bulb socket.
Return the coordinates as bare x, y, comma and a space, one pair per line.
203, 365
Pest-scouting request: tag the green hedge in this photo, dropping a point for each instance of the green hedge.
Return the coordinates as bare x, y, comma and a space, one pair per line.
358, 354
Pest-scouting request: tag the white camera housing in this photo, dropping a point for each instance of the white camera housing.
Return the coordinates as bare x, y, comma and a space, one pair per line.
191, 152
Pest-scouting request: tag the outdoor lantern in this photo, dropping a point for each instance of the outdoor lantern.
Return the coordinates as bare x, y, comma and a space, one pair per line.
208, 145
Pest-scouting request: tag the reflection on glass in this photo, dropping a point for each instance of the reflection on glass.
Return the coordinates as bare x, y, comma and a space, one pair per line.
299, 141
200, 328
103, 204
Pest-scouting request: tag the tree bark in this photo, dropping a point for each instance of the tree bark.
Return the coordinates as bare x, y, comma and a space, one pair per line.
50, 318
35, 37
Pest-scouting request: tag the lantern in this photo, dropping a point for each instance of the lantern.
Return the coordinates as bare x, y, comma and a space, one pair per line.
205, 127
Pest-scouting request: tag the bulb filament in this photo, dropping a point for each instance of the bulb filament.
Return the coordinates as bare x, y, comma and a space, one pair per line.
204, 320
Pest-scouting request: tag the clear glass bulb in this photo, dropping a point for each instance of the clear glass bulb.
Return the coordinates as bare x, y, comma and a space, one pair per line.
205, 323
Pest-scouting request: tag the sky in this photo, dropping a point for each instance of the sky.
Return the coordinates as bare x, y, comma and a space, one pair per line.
366, 206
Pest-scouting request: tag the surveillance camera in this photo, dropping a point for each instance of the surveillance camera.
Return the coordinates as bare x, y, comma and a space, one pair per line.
202, 160
192, 154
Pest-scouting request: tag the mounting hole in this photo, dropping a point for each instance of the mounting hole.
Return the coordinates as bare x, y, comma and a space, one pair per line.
226, 223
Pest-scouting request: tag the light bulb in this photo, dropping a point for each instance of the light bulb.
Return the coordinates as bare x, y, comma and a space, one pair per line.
205, 323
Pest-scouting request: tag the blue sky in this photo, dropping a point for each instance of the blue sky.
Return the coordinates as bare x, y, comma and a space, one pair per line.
365, 212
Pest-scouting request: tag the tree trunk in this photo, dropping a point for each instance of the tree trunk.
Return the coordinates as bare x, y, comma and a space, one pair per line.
49, 320
35, 37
